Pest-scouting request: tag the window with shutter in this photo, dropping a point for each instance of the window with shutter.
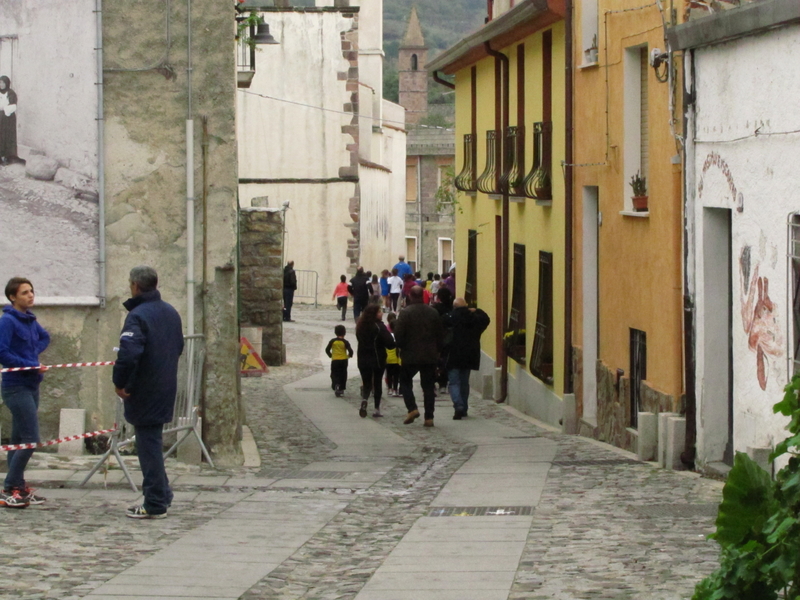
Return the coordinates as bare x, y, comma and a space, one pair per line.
542, 354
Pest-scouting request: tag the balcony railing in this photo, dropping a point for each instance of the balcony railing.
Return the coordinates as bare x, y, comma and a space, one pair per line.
465, 180
538, 183
488, 180
245, 60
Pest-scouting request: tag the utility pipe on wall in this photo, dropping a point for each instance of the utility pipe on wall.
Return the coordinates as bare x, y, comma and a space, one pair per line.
101, 158
190, 283
568, 205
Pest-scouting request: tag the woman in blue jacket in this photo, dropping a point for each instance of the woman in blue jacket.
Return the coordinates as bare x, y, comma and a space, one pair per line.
22, 339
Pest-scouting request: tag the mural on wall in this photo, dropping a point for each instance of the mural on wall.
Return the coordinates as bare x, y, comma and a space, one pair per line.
48, 148
759, 316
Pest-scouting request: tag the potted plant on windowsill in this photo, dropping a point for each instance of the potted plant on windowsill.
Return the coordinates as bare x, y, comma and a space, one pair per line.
639, 198
590, 53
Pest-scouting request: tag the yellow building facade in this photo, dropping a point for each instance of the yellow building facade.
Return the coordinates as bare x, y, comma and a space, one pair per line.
627, 297
511, 223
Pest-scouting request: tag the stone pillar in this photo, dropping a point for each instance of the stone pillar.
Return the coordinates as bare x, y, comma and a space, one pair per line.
72, 422
261, 278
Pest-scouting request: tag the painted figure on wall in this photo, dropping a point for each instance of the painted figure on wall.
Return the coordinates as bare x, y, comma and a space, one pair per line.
8, 121
759, 317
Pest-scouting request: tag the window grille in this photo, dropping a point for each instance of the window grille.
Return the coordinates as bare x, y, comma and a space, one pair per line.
537, 184
515, 334
471, 285
487, 182
542, 354
794, 266
465, 180
512, 176
638, 371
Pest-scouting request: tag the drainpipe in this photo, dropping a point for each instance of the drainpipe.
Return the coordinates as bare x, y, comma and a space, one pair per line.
568, 206
190, 283
503, 110
438, 79
101, 157
419, 211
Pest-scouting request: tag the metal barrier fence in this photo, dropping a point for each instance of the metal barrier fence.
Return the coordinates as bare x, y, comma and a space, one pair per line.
307, 285
185, 419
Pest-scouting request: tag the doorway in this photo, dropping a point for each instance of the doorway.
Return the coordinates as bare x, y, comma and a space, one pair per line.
590, 302
717, 386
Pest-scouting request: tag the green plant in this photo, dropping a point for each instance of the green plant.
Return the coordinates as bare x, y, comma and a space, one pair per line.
243, 24
758, 523
446, 197
639, 185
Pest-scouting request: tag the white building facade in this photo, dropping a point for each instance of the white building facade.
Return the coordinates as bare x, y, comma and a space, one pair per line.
742, 221
315, 131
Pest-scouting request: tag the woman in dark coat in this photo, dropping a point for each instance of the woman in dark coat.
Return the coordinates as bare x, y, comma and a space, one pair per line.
8, 121
373, 341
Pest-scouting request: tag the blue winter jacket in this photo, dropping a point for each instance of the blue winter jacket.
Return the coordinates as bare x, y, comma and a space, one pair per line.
147, 362
22, 339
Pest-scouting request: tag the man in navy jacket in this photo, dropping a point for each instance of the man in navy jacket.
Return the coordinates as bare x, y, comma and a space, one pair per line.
146, 378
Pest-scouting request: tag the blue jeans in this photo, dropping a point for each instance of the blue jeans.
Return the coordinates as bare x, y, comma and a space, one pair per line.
155, 485
23, 402
458, 386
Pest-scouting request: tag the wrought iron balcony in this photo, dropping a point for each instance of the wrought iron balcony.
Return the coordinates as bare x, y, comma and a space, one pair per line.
465, 180
538, 183
488, 180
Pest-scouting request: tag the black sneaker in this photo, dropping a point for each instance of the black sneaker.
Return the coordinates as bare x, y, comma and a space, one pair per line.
140, 512
12, 499
362, 412
28, 494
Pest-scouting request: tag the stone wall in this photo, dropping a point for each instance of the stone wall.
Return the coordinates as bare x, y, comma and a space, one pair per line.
145, 89
261, 278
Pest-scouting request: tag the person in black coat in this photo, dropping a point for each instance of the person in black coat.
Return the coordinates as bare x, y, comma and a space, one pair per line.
361, 290
146, 378
373, 341
289, 287
466, 326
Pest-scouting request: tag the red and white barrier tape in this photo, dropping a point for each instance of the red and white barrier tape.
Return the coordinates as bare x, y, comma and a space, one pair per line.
69, 438
103, 363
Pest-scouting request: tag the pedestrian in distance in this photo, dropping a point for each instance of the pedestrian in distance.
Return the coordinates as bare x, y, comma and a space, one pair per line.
384, 281
289, 287
22, 340
339, 351
8, 122
373, 342
403, 268
443, 305
375, 297
395, 289
392, 361
361, 290
466, 325
419, 336
145, 377
340, 294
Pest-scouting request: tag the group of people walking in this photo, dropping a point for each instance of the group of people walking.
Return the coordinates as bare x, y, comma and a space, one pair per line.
438, 339
389, 290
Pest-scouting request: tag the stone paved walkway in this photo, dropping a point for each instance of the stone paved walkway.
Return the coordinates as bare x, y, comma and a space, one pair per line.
370, 509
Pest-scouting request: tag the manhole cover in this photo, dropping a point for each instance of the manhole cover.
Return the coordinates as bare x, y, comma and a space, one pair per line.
675, 511
479, 511
595, 463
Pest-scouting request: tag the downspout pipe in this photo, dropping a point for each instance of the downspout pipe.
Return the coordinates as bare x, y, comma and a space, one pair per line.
438, 79
503, 111
101, 157
568, 203
190, 282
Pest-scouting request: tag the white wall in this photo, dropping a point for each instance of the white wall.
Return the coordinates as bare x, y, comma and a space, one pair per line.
741, 86
54, 76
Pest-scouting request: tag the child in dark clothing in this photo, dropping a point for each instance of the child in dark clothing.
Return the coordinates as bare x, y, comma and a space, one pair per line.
339, 350
392, 361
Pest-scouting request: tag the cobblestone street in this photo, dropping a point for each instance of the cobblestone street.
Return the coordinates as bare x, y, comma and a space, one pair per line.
495, 506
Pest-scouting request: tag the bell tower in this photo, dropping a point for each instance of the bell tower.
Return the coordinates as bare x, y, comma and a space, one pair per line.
413, 76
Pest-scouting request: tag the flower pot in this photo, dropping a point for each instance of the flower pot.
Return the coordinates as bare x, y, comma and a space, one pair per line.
590, 55
639, 203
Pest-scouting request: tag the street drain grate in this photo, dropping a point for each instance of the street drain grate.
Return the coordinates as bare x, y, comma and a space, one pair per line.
610, 462
284, 474
675, 511
480, 511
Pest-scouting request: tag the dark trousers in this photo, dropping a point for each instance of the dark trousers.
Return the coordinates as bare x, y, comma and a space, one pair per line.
359, 304
23, 402
371, 381
155, 485
341, 303
393, 298
393, 376
288, 300
427, 376
339, 374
